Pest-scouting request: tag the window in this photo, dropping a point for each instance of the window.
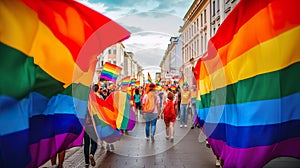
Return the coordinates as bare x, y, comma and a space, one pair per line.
201, 45
109, 51
115, 51
205, 16
197, 24
205, 41
197, 46
213, 8
201, 20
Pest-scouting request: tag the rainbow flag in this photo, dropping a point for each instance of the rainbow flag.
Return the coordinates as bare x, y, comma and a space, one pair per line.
110, 72
158, 81
104, 115
149, 78
181, 81
133, 81
126, 116
48, 57
249, 89
125, 81
114, 111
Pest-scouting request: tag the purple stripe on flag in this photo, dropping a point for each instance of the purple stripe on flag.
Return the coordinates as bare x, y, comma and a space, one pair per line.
46, 148
259, 155
131, 121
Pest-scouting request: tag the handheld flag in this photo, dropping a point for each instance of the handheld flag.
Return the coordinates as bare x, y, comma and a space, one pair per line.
149, 78
110, 72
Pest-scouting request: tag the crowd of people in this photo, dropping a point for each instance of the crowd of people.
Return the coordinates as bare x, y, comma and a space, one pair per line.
152, 102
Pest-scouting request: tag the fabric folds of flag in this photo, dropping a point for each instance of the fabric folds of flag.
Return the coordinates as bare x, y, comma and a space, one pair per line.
45, 74
149, 78
110, 72
248, 97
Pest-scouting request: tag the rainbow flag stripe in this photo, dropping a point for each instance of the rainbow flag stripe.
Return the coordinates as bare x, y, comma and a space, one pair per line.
181, 81
133, 81
45, 73
125, 81
249, 90
149, 78
110, 72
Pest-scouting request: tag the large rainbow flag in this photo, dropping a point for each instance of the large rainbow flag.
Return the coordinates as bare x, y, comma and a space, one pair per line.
48, 57
110, 72
249, 87
114, 111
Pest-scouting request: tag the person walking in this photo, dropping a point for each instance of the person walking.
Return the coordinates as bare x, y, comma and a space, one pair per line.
61, 159
185, 101
151, 110
90, 142
137, 101
170, 116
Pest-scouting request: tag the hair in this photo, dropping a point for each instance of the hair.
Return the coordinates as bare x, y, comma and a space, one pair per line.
170, 96
151, 87
137, 91
95, 87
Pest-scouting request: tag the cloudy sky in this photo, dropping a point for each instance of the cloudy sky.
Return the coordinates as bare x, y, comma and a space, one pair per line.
151, 23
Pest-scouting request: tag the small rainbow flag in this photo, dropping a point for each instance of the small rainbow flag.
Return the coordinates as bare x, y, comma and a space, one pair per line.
125, 81
110, 72
158, 81
133, 81
149, 78
49, 46
249, 87
182, 81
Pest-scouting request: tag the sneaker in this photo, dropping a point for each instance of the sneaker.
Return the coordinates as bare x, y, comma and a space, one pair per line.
147, 138
185, 126
218, 163
93, 163
180, 126
86, 166
172, 140
152, 138
207, 144
177, 118
167, 137
192, 127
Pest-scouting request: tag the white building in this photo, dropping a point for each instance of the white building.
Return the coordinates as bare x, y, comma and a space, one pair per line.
172, 60
201, 22
117, 55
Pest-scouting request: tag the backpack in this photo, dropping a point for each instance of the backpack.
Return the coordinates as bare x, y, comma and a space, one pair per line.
149, 105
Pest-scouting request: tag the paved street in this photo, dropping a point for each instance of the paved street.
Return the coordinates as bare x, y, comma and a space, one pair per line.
188, 150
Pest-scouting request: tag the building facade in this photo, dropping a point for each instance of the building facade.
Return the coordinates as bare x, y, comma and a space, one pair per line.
117, 55
172, 60
201, 22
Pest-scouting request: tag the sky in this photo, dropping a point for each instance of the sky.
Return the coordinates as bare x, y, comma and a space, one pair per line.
150, 22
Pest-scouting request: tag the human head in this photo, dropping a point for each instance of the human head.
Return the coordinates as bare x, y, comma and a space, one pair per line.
170, 96
95, 87
151, 87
